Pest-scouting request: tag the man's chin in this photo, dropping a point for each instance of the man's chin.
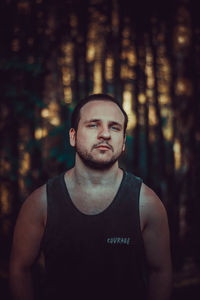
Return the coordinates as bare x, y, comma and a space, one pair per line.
99, 164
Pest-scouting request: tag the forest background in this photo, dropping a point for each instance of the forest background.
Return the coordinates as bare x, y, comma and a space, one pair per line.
147, 55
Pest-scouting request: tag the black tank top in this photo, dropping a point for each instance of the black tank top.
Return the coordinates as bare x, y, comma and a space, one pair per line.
93, 257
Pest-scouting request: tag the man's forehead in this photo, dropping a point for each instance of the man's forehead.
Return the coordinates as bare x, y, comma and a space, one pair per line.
102, 108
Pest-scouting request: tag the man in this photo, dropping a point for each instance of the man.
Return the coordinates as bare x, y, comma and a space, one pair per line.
103, 232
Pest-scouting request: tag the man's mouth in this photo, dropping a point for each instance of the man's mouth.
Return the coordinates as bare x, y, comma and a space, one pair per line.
103, 147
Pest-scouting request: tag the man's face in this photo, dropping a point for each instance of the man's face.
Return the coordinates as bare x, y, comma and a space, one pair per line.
99, 139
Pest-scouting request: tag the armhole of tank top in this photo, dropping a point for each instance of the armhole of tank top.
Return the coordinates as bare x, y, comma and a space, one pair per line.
48, 199
142, 250
139, 211
137, 182
45, 229
47, 216
140, 237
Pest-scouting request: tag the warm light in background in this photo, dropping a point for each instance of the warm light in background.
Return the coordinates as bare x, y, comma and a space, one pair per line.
97, 77
68, 94
25, 163
163, 76
67, 70
66, 76
164, 89
132, 58
164, 99
149, 69
142, 98
168, 129
182, 31
150, 82
45, 113
150, 94
124, 71
109, 68
177, 154
40, 133
141, 113
128, 57
90, 52
68, 49
127, 106
52, 114
5, 165
95, 49
22, 184
55, 121
183, 87
182, 36
153, 120
127, 73
53, 108
5, 204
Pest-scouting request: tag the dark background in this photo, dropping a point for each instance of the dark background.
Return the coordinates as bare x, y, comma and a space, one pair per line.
147, 55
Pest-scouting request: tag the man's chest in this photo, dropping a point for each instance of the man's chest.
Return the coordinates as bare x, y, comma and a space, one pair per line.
92, 201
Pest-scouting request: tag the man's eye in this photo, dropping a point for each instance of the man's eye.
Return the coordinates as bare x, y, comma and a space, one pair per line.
115, 128
92, 125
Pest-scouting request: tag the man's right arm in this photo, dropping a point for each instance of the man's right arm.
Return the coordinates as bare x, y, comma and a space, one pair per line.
28, 233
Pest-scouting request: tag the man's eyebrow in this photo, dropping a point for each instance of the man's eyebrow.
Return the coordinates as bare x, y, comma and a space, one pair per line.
115, 123
98, 120
92, 120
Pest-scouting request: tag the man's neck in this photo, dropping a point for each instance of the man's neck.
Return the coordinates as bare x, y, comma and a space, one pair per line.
83, 175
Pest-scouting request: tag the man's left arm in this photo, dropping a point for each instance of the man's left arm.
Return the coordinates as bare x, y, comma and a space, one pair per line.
157, 245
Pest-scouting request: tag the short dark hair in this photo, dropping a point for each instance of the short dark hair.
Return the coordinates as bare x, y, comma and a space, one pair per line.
75, 118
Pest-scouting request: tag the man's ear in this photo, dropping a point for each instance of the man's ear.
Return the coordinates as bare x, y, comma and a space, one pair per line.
72, 137
124, 145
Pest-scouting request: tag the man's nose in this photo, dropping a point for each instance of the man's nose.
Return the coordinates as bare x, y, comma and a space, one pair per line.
104, 133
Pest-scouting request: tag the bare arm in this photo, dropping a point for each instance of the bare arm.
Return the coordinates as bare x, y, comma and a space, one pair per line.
157, 244
26, 244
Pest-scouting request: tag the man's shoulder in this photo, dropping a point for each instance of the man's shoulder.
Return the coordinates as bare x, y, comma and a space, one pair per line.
38, 193
33, 209
148, 194
36, 201
151, 205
